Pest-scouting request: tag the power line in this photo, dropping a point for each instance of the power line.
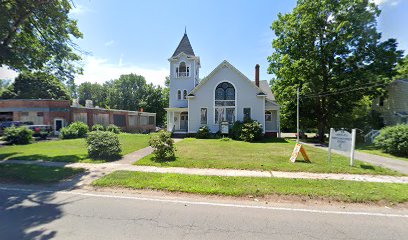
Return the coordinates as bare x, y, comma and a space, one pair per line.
347, 88
344, 90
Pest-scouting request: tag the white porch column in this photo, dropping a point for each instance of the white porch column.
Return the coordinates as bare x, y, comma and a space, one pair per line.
168, 120
172, 121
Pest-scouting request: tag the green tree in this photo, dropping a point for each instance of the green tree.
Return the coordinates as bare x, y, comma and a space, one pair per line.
332, 50
36, 85
154, 102
37, 35
402, 68
92, 91
166, 97
126, 92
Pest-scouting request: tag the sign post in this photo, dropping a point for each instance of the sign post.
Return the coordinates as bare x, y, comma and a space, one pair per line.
343, 141
353, 145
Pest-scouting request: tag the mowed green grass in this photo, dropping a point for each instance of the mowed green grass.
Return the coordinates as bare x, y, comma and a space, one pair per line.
23, 173
270, 155
371, 149
348, 191
73, 150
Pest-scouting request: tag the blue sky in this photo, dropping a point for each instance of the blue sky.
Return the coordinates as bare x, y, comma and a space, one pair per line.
139, 36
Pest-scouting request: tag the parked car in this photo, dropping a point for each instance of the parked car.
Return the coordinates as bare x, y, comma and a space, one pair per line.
4, 125
41, 131
7, 124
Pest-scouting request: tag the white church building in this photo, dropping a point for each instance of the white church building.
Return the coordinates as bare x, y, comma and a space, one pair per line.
225, 95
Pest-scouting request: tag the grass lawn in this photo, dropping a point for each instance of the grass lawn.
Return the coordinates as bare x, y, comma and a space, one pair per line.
348, 191
35, 174
371, 149
73, 150
270, 154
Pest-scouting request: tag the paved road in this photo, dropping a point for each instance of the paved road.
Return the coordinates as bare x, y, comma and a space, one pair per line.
95, 215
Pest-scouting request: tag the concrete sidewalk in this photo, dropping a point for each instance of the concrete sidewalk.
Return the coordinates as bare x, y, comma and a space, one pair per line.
385, 162
99, 170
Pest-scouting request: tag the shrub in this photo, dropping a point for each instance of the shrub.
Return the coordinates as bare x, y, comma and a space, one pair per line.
74, 130
103, 145
98, 127
251, 131
203, 132
394, 139
18, 135
163, 146
236, 130
68, 133
113, 128
248, 131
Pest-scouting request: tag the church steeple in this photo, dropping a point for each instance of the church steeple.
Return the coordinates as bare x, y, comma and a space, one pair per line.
184, 73
184, 46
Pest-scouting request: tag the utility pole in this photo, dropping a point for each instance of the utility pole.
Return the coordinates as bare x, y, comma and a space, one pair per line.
297, 117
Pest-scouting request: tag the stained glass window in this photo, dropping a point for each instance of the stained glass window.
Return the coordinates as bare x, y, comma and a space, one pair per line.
225, 103
203, 115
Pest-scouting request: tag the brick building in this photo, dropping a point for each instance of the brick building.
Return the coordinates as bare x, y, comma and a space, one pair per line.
60, 113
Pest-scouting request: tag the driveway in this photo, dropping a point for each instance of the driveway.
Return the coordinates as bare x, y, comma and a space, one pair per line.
391, 163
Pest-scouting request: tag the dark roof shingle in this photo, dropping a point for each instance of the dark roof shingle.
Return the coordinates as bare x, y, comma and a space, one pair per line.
184, 46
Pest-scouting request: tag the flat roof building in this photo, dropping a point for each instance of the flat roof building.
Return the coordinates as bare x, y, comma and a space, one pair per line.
60, 113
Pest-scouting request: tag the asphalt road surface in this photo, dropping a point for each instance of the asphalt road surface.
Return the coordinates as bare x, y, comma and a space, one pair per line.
27, 214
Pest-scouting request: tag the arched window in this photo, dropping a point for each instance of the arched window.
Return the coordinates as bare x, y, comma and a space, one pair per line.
179, 94
224, 103
183, 70
184, 94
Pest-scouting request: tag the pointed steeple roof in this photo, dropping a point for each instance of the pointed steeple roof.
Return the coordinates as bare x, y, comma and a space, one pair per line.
184, 46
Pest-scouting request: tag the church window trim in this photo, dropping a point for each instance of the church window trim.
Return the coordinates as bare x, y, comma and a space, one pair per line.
179, 94
184, 94
225, 102
182, 70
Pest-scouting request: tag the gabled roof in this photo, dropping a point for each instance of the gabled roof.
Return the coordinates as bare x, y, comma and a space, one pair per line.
184, 46
264, 86
219, 67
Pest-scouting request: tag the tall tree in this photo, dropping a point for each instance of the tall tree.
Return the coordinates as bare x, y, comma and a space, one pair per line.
37, 35
332, 50
92, 91
36, 85
153, 102
127, 92
402, 68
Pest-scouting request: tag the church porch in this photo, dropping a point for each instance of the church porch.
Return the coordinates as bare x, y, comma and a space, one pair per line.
177, 120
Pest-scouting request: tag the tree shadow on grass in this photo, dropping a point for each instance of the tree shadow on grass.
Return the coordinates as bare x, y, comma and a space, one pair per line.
164, 160
34, 157
367, 167
271, 140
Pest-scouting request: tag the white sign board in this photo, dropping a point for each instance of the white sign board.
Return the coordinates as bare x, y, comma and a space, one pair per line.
342, 141
224, 128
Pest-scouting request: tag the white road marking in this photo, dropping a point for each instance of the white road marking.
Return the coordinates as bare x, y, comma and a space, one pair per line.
210, 203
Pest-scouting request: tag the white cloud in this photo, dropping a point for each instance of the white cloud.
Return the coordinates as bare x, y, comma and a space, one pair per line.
7, 73
100, 70
386, 2
108, 43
